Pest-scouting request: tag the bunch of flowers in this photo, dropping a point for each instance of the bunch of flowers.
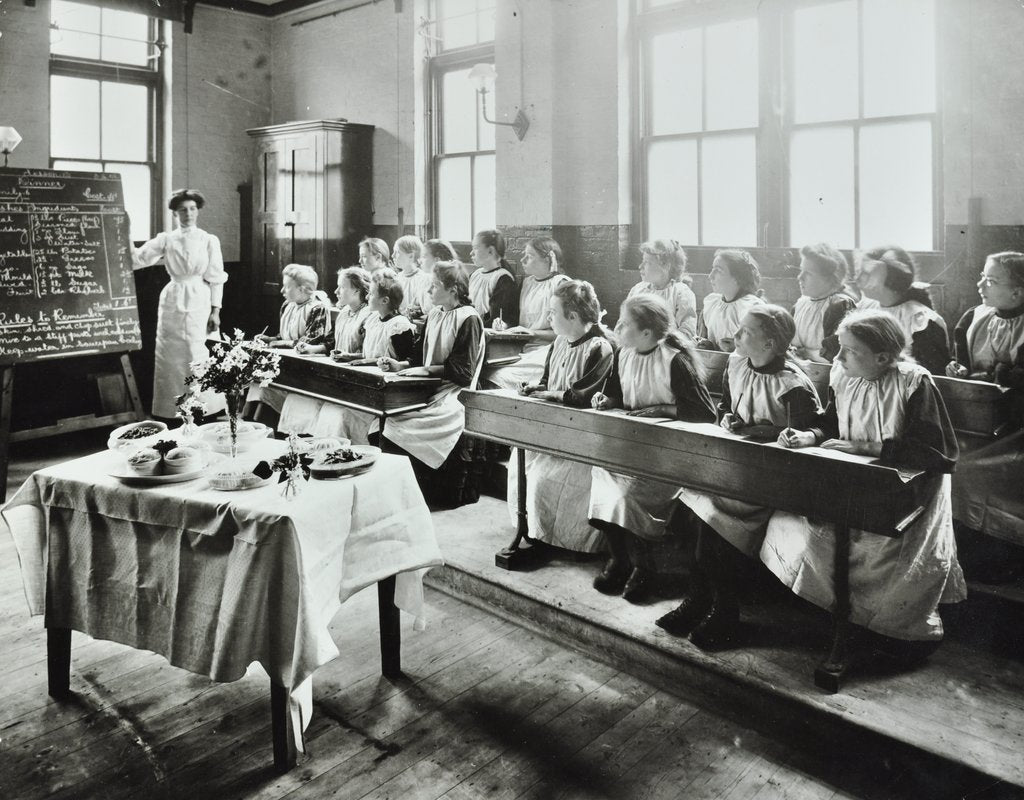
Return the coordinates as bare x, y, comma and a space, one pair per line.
191, 409
293, 466
231, 368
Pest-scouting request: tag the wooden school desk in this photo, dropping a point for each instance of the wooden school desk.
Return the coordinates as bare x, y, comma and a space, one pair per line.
850, 491
362, 388
214, 581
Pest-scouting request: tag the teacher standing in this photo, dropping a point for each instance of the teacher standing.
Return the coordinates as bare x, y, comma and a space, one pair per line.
189, 304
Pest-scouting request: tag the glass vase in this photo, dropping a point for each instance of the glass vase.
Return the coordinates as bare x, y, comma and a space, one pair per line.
235, 402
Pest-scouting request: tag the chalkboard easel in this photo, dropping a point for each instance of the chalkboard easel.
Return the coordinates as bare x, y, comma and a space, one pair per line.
67, 287
67, 425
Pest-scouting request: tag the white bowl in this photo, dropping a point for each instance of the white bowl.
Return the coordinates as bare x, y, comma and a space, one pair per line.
218, 435
117, 440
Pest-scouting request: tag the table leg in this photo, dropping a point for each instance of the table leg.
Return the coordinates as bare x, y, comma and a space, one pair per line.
829, 674
390, 629
58, 661
512, 557
283, 733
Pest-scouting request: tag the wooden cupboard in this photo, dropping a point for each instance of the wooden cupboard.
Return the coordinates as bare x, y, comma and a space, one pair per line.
312, 203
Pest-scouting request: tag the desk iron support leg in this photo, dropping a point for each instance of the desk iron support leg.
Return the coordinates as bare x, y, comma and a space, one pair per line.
282, 731
58, 661
512, 557
829, 675
390, 629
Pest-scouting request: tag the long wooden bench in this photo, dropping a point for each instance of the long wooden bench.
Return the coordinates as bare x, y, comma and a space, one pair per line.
851, 491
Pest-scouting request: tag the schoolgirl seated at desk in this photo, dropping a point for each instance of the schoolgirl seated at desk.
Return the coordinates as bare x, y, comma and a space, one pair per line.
763, 392
577, 366
374, 254
663, 273
887, 274
656, 374
301, 414
987, 486
445, 462
387, 333
414, 279
822, 303
542, 263
883, 406
736, 288
492, 286
305, 317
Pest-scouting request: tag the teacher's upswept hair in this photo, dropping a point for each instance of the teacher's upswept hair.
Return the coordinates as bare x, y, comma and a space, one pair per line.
179, 196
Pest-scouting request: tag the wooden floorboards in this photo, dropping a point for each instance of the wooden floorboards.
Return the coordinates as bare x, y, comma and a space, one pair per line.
485, 709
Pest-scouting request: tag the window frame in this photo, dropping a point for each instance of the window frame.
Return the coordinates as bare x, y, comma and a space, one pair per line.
438, 67
776, 124
116, 72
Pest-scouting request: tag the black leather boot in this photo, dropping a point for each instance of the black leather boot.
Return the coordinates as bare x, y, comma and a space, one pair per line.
617, 568
718, 629
639, 587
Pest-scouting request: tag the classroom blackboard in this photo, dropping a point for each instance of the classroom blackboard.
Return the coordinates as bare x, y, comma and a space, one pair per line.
66, 283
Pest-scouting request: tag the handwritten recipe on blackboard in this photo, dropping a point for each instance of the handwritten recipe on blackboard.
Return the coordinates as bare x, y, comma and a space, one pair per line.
66, 283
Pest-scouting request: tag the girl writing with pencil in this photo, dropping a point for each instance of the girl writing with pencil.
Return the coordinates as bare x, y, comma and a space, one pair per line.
886, 407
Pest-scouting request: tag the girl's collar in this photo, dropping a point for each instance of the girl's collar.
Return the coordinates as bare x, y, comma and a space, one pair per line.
592, 331
773, 366
1012, 313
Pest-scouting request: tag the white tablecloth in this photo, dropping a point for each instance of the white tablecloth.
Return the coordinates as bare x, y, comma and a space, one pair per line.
216, 580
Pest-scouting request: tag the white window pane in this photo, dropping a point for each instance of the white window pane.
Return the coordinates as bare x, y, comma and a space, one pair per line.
125, 121
896, 184
675, 79
75, 31
458, 110
78, 166
825, 62
821, 202
120, 27
457, 25
483, 193
729, 190
453, 200
74, 117
899, 57
672, 191
731, 82
485, 22
137, 189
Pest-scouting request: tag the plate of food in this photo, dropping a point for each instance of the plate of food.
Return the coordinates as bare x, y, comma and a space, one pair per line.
164, 462
127, 437
231, 479
343, 461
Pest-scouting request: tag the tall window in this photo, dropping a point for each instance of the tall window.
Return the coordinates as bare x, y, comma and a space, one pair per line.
461, 33
103, 100
863, 123
806, 120
700, 141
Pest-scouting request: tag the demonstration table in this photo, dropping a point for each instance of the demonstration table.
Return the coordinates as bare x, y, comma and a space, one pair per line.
214, 581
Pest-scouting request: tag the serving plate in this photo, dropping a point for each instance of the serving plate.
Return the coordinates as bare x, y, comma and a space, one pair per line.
329, 471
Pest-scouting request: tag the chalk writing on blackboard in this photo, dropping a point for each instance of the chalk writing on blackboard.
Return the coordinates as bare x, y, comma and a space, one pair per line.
66, 283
